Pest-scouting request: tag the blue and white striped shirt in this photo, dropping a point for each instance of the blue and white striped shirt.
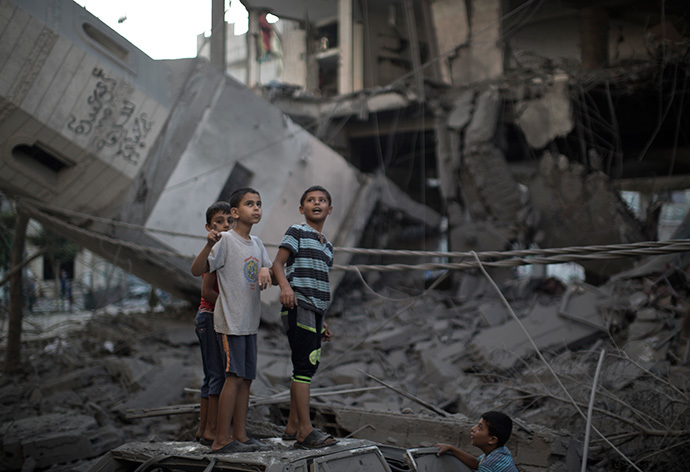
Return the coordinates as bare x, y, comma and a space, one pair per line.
498, 460
307, 267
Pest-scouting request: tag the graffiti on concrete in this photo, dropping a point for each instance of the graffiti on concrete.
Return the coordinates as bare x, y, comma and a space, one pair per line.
112, 119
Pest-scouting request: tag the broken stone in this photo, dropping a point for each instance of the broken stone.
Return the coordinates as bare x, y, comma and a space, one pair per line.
549, 117
482, 127
437, 371
462, 110
494, 312
396, 338
502, 346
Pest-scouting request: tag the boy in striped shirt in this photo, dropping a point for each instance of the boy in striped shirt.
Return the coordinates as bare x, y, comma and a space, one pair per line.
489, 435
301, 270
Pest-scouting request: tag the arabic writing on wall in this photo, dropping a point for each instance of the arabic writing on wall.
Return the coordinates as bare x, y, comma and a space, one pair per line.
112, 120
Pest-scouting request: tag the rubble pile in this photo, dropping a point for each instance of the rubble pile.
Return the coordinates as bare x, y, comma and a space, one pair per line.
408, 367
81, 373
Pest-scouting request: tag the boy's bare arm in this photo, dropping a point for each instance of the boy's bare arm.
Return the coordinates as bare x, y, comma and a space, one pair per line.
208, 288
287, 295
200, 264
468, 459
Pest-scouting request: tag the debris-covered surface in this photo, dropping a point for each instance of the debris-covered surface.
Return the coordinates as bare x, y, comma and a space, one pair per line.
407, 368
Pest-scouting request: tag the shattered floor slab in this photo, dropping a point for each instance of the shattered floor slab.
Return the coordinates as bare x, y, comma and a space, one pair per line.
550, 326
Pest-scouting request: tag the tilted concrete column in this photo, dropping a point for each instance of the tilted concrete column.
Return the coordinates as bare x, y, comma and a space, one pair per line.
594, 37
345, 46
218, 35
252, 49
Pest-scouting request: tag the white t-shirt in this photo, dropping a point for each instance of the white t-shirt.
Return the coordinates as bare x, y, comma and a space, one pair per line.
236, 262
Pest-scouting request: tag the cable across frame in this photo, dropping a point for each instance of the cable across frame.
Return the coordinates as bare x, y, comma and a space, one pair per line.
511, 258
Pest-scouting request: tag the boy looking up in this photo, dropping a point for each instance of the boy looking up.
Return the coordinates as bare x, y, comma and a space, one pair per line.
217, 218
241, 264
489, 435
301, 269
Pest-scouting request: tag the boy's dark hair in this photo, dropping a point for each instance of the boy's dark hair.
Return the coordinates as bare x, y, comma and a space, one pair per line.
237, 195
500, 425
218, 207
315, 188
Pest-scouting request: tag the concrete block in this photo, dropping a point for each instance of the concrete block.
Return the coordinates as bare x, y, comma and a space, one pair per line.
66, 398
441, 326
437, 370
532, 450
397, 338
397, 359
462, 110
349, 373
451, 351
43, 438
471, 286
494, 313
10, 394
164, 385
647, 314
502, 345
57, 448
638, 299
482, 127
179, 333
277, 372
105, 439
73, 380
131, 371
548, 117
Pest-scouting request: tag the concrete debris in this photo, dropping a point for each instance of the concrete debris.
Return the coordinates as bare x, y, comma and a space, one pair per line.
596, 213
549, 117
461, 113
442, 360
482, 126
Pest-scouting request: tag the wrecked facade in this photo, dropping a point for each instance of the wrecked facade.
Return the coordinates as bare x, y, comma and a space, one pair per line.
104, 144
519, 121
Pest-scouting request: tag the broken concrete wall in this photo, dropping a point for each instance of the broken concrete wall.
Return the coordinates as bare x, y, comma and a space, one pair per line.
537, 447
482, 196
634, 32
580, 208
544, 119
470, 33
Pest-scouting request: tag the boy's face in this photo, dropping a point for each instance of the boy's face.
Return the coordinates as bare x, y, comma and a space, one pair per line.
480, 435
249, 209
221, 221
315, 206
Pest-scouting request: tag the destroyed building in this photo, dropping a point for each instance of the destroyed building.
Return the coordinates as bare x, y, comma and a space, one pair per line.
513, 124
519, 121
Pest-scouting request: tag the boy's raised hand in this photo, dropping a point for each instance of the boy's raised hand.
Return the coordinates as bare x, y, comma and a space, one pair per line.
213, 237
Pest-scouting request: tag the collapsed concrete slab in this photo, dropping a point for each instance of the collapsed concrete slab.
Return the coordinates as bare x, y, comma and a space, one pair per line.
551, 327
52, 439
124, 141
580, 208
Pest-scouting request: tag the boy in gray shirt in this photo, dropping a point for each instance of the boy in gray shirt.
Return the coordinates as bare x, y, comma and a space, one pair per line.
241, 264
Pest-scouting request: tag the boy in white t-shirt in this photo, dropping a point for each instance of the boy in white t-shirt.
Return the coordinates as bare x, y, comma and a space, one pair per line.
241, 264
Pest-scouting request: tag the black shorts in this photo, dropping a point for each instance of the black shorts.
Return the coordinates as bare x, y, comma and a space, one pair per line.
303, 328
